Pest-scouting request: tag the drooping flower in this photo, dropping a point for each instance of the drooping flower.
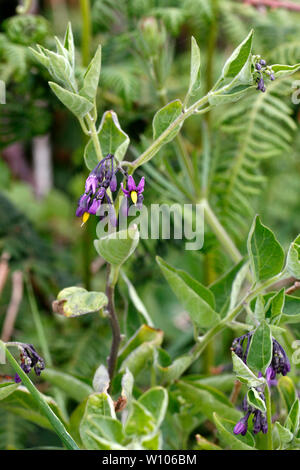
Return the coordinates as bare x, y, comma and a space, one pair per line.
263, 71
134, 191
102, 177
29, 359
280, 363
241, 426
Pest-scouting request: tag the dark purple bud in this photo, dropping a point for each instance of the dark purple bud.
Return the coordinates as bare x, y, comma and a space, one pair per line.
263, 62
113, 183
17, 379
242, 425
272, 77
258, 66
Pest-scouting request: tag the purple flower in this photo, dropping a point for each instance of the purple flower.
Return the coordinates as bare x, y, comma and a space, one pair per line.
258, 66
263, 62
17, 379
242, 425
29, 359
102, 177
133, 191
261, 85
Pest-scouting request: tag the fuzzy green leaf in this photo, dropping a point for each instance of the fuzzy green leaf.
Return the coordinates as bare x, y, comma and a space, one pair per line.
75, 301
194, 297
265, 252
77, 104
112, 138
164, 118
261, 347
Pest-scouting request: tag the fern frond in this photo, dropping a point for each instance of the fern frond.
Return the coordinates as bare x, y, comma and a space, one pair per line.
262, 128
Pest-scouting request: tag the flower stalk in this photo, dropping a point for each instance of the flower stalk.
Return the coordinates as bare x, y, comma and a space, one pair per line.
55, 422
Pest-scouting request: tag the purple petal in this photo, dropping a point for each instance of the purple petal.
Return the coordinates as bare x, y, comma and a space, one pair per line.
131, 184
141, 185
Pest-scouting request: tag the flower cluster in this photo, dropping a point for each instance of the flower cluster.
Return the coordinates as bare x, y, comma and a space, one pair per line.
259, 419
262, 71
29, 359
102, 178
280, 363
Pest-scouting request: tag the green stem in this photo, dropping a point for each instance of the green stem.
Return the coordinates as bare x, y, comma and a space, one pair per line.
193, 109
94, 135
220, 232
41, 402
43, 340
199, 347
269, 417
86, 31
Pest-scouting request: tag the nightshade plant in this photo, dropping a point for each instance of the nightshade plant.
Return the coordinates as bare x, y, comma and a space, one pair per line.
113, 412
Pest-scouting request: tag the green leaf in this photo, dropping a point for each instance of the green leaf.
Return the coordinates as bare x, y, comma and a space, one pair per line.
265, 252
6, 389
293, 258
91, 77
244, 374
261, 348
238, 58
284, 70
259, 310
164, 118
206, 400
99, 428
195, 298
275, 306
287, 391
222, 288
167, 374
71, 386
112, 138
101, 379
152, 443
137, 302
195, 79
237, 285
255, 400
292, 420
21, 403
140, 421
116, 247
75, 301
145, 334
291, 310
285, 434
90, 156
236, 93
127, 385
69, 44
234, 442
155, 400
75, 103
60, 69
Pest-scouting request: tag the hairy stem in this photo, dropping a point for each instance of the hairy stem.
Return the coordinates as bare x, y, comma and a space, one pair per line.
269, 417
114, 322
86, 31
41, 402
